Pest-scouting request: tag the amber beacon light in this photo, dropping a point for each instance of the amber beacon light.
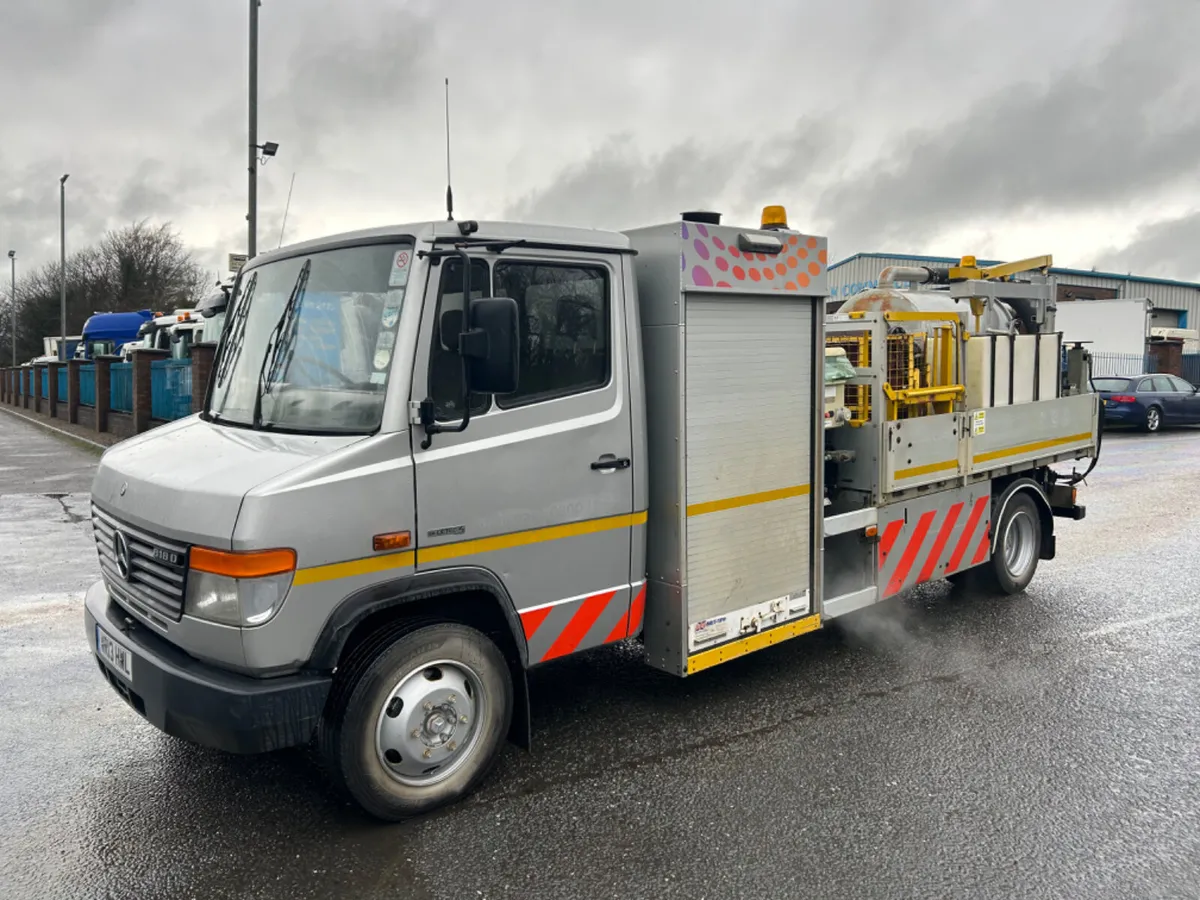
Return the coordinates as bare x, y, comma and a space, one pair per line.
774, 217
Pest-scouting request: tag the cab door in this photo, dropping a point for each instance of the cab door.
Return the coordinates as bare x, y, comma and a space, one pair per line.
538, 490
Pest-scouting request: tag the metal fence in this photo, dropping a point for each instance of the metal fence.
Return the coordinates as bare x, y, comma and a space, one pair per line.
1104, 364
120, 387
87, 385
170, 388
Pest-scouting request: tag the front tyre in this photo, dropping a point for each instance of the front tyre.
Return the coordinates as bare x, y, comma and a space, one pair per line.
419, 724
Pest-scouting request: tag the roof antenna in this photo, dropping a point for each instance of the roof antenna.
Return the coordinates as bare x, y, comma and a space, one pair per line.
449, 192
286, 207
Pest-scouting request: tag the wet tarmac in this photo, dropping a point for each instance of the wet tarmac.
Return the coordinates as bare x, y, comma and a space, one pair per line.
1046, 745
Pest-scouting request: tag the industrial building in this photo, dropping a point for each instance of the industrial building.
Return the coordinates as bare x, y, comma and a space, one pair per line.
1173, 304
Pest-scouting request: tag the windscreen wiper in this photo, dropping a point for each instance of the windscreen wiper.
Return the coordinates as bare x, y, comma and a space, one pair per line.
279, 344
236, 333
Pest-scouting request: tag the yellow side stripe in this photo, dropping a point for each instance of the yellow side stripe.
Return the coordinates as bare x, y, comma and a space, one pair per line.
366, 566
712, 506
524, 538
1032, 448
706, 659
407, 558
926, 470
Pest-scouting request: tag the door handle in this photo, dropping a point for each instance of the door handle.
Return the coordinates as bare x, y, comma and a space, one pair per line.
608, 463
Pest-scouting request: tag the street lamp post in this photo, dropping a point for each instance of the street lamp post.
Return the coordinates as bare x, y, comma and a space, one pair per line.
62, 246
252, 212
12, 258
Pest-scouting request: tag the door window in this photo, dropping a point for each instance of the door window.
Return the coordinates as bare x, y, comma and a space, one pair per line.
564, 315
445, 363
1162, 385
1178, 384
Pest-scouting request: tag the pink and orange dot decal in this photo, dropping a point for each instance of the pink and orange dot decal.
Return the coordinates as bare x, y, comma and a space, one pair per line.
710, 260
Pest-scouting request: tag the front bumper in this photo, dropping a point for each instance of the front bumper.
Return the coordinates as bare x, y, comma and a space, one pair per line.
199, 702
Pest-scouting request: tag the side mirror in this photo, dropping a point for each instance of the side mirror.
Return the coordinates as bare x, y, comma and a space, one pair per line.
490, 346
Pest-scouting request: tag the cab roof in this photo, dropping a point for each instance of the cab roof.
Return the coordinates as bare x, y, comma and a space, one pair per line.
427, 232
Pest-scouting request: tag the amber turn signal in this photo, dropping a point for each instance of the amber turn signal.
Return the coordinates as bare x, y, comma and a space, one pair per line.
252, 564
396, 540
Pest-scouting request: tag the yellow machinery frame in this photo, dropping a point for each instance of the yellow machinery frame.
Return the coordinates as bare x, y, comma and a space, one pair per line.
932, 387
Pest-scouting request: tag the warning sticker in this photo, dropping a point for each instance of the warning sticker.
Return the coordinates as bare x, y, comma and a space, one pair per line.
398, 277
978, 422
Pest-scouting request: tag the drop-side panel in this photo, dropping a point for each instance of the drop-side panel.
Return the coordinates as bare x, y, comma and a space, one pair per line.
748, 428
922, 451
1008, 436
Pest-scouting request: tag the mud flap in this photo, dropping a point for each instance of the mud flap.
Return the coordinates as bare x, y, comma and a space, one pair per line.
520, 729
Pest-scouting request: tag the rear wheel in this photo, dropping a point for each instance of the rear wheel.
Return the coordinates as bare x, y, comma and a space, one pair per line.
1153, 419
1016, 547
419, 723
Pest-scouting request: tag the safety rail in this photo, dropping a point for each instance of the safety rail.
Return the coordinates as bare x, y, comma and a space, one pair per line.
923, 369
120, 387
170, 389
87, 385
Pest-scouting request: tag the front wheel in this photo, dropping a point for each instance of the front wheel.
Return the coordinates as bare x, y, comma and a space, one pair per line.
1153, 419
419, 724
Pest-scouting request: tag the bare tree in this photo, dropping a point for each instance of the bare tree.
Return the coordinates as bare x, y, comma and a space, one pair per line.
140, 266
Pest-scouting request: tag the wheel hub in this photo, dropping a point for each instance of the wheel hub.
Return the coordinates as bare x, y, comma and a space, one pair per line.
428, 723
1018, 545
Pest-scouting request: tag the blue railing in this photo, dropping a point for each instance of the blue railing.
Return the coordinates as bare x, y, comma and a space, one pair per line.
120, 387
170, 388
62, 384
87, 384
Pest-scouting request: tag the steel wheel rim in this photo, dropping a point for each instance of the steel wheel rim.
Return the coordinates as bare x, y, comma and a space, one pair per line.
1018, 544
428, 725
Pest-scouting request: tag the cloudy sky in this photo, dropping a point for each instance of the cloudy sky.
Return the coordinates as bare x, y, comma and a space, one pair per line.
1003, 128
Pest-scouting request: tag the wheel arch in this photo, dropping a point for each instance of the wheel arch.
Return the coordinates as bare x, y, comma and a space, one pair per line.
467, 595
1027, 485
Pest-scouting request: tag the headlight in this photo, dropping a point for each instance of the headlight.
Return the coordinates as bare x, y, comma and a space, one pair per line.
243, 589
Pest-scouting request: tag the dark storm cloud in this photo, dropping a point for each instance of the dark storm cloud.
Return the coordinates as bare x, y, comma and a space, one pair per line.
616, 187
1169, 249
1119, 125
876, 123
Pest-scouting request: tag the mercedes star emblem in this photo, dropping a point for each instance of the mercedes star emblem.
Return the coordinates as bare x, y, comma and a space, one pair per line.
121, 552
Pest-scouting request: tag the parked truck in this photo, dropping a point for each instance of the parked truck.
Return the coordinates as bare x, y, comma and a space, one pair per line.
434, 456
104, 334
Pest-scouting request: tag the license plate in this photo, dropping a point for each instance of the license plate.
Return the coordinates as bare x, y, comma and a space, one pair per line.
113, 653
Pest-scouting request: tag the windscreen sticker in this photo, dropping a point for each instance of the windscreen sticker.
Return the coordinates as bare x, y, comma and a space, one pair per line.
378, 377
382, 358
398, 277
391, 310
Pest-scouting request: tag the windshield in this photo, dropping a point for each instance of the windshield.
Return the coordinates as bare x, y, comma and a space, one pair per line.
309, 339
1110, 384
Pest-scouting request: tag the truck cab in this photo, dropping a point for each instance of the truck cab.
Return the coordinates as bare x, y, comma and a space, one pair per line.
104, 334
341, 484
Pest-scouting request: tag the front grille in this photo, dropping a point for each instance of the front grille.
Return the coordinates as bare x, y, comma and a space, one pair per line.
157, 567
